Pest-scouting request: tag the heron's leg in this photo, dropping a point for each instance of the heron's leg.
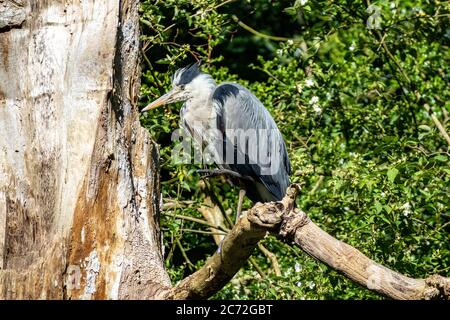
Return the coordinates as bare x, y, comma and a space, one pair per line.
207, 173
240, 201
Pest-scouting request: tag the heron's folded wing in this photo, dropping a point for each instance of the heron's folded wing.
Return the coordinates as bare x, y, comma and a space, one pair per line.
250, 131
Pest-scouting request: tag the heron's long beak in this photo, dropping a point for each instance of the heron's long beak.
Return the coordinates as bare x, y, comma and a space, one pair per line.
164, 99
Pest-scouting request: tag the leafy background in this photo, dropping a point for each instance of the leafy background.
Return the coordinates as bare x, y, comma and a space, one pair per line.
351, 102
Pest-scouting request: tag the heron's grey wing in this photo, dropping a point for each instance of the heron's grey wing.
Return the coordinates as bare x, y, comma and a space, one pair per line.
241, 117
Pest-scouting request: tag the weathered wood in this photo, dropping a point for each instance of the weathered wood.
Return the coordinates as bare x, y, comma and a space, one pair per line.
79, 177
2, 229
12, 13
220, 268
233, 251
359, 268
294, 226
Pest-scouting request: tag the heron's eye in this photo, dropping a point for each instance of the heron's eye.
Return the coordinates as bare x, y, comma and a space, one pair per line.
182, 86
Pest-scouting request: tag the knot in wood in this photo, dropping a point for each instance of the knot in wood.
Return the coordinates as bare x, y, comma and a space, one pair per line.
267, 215
441, 286
292, 221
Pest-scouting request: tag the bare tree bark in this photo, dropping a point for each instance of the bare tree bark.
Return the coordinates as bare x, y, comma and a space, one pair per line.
294, 226
79, 189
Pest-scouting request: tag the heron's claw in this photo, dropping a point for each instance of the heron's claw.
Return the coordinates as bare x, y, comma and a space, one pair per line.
205, 173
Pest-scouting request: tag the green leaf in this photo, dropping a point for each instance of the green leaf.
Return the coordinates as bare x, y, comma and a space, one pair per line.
291, 11
385, 219
391, 174
378, 207
441, 157
163, 61
387, 208
424, 127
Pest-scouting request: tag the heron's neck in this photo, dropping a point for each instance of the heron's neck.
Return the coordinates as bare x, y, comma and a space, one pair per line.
199, 107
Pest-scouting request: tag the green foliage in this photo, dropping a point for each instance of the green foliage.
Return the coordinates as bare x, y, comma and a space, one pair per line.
350, 102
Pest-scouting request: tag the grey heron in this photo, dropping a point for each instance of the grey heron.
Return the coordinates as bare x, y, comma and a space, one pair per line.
237, 130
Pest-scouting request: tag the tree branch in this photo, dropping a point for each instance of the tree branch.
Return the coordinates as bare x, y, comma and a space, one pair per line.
272, 258
291, 224
220, 268
438, 124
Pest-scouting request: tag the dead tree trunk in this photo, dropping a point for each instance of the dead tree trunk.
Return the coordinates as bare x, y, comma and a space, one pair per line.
78, 175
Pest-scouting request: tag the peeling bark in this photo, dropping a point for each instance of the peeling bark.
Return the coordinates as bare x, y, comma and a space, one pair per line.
79, 190
12, 13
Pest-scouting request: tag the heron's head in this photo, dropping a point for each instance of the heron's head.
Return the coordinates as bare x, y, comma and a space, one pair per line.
187, 83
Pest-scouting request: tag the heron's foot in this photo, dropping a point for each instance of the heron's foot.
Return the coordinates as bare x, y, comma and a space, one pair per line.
208, 173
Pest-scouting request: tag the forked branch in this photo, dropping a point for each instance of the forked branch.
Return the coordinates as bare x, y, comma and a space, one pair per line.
294, 226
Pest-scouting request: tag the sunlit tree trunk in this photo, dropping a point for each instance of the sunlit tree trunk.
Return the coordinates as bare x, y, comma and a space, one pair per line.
78, 175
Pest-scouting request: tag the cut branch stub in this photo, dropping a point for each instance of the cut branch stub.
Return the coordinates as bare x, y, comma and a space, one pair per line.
271, 215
